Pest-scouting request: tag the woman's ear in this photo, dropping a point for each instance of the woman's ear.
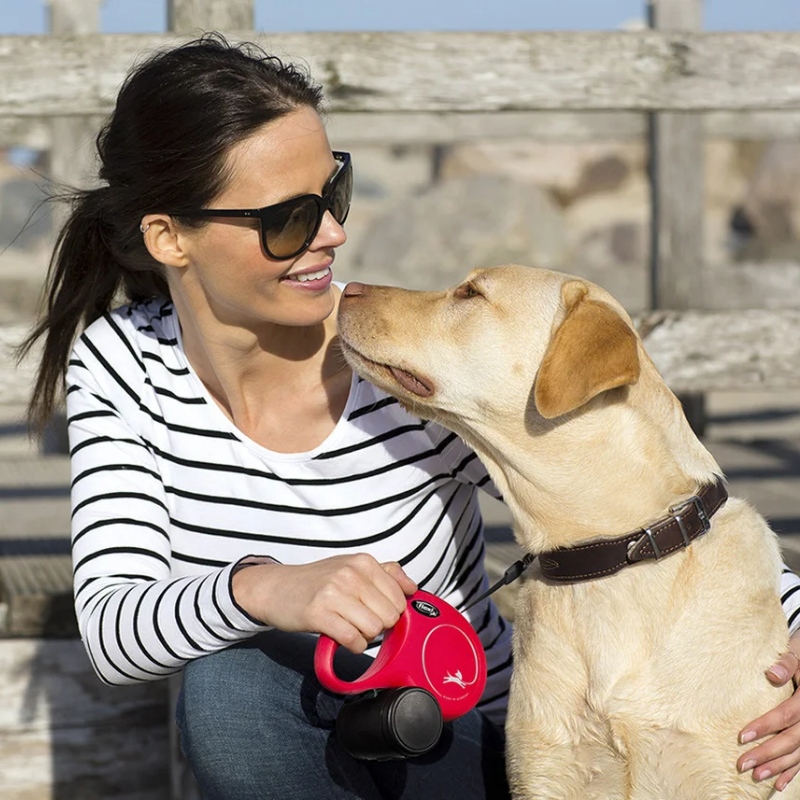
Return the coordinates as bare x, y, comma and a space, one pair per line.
591, 351
163, 241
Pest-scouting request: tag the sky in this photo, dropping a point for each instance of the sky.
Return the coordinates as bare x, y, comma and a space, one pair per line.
149, 16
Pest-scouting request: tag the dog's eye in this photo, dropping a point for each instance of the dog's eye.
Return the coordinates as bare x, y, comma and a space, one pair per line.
466, 291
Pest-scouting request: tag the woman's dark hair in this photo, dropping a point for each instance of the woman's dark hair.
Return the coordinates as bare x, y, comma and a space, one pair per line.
163, 149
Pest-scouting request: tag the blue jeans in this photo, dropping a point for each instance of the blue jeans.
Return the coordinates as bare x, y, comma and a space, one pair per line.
255, 724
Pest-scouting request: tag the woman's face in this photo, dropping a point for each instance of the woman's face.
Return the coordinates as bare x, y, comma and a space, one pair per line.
228, 273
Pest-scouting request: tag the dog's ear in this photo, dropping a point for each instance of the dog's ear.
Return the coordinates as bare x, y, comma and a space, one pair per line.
591, 351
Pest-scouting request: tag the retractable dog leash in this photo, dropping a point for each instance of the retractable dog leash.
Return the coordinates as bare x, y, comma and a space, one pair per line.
430, 669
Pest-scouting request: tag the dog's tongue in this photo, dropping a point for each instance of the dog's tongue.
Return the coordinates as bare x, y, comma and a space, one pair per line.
411, 382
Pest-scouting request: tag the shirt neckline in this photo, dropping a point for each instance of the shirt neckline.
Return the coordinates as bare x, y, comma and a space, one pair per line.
224, 422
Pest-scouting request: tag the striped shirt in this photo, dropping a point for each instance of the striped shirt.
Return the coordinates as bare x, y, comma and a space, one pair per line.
168, 495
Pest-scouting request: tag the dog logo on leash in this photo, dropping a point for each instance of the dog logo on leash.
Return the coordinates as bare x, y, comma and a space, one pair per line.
457, 678
451, 662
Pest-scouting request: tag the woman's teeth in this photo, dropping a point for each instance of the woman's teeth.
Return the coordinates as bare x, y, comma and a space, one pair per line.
311, 276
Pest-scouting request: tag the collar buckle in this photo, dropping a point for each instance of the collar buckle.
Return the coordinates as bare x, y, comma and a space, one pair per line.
678, 510
636, 550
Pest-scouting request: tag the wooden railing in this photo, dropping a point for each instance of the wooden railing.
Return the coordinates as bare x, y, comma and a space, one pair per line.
669, 85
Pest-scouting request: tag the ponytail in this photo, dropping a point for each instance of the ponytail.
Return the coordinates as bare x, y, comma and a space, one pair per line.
83, 280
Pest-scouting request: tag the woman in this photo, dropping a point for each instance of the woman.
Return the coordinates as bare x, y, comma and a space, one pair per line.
235, 488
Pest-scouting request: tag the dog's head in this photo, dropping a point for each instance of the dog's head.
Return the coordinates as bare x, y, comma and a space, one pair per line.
509, 340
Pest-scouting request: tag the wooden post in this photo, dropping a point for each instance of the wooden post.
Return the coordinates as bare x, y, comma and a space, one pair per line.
196, 16
72, 150
677, 197
71, 158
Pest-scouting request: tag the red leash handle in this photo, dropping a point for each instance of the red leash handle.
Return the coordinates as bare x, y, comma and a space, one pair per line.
432, 646
385, 672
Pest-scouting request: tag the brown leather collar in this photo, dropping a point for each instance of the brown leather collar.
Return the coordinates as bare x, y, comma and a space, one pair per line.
685, 522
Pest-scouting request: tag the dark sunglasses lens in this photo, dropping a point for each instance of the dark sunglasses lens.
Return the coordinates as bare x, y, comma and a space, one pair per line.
291, 226
288, 231
342, 192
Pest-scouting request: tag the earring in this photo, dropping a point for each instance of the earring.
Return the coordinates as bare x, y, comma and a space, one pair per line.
144, 228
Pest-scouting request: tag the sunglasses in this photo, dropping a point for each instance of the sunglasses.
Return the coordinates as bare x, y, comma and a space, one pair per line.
288, 228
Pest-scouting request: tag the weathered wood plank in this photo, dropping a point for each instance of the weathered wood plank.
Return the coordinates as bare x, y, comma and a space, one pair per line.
74, 16
695, 351
750, 285
388, 128
72, 144
50, 684
675, 15
678, 205
445, 71
740, 125
698, 351
15, 382
547, 126
36, 596
96, 763
677, 180
63, 733
677, 196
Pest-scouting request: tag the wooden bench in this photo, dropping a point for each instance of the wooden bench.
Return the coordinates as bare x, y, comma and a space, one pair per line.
61, 725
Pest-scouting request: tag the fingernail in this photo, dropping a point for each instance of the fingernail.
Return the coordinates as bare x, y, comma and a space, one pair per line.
762, 775
747, 765
779, 673
747, 736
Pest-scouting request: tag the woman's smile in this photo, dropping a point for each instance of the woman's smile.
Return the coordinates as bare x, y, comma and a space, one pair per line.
311, 278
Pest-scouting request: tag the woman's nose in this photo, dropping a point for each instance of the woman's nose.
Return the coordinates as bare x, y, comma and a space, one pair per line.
331, 233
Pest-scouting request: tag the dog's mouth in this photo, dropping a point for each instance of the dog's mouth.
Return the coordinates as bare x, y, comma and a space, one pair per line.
410, 382
413, 384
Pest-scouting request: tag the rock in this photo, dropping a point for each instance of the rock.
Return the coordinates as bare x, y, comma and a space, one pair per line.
433, 239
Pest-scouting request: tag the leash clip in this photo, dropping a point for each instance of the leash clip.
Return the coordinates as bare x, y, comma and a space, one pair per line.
509, 576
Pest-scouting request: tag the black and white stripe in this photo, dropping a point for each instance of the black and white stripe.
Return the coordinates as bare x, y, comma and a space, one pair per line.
168, 496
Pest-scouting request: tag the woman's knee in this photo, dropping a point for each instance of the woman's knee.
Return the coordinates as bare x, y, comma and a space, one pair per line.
255, 715
243, 687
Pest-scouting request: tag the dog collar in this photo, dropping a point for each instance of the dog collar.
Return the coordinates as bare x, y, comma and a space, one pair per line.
684, 523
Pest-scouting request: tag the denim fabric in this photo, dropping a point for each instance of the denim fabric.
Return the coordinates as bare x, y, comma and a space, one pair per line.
255, 724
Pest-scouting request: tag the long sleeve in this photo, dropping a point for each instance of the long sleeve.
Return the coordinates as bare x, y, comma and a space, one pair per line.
137, 622
790, 599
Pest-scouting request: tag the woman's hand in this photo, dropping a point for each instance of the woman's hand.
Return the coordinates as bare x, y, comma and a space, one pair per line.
351, 598
780, 754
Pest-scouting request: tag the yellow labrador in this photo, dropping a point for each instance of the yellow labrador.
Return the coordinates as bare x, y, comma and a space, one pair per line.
633, 673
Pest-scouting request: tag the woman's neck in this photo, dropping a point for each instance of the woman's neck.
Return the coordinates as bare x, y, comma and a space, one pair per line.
283, 386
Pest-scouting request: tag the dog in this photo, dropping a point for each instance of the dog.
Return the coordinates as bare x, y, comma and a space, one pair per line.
630, 680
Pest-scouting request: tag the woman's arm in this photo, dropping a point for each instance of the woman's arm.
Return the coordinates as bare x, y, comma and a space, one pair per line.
137, 621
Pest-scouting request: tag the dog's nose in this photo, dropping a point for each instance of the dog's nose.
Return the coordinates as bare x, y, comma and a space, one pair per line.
355, 289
